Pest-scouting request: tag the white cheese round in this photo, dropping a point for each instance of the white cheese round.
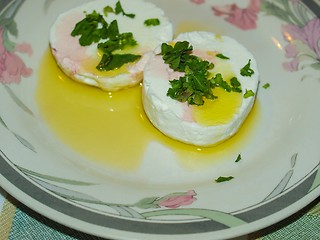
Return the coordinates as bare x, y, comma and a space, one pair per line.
80, 62
181, 121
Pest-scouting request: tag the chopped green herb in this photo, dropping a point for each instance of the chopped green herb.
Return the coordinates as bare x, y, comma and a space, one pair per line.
119, 9
176, 56
223, 179
238, 158
195, 85
219, 82
113, 61
117, 42
267, 85
235, 85
91, 29
248, 93
246, 70
220, 55
152, 22
107, 10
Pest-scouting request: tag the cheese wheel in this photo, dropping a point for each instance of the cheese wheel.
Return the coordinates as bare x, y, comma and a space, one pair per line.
216, 120
79, 62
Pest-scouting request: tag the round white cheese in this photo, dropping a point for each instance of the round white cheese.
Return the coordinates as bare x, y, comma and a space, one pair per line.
208, 124
79, 62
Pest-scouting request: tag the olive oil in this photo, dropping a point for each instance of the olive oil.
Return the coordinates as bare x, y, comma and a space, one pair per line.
111, 129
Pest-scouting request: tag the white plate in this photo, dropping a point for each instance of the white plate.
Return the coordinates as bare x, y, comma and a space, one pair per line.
171, 191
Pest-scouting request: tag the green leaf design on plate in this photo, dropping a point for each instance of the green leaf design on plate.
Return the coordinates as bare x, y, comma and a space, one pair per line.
294, 160
315, 66
25, 142
316, 182
18, 101
3, 123
283, 10
284, 181
221, 217
67, 193
47, 5
127, 212
150, 202
53, 178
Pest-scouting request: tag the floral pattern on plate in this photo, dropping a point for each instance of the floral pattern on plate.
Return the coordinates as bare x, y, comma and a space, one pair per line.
302, 34
12, 67
301, 29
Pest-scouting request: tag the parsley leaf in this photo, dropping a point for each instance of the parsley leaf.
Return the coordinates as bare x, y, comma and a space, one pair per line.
238, 158
267, 85
248, 93
219, 82
177, 56
119, 10
107, 10
91, 29
192, 87
112, 61
196, 84
235, 85
246, 70
223, 179
116, 40
152, 22
220, 55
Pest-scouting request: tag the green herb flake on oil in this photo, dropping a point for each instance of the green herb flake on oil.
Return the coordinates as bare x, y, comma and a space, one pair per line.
246, 71
266, 86
152, 22
223, 179
248, 93
220, 55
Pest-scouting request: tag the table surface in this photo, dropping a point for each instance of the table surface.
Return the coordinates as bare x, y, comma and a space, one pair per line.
19, 222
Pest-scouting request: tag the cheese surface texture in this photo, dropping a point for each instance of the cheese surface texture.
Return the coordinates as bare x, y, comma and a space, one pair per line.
79, 62
217, 119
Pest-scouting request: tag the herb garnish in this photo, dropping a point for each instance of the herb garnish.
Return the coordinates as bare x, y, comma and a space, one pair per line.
220, 55
93, 28
267, 85
119, 10
235, 85
238, 158
194, 86
223, 179
246, 70
113, 61
107, 10
152, 22
116, 40
248, 93
197, 83
177, 56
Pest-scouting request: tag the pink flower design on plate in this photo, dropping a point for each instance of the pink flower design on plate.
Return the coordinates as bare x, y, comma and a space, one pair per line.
243, 18
175, 201
198, 1
302, 42
11, 65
